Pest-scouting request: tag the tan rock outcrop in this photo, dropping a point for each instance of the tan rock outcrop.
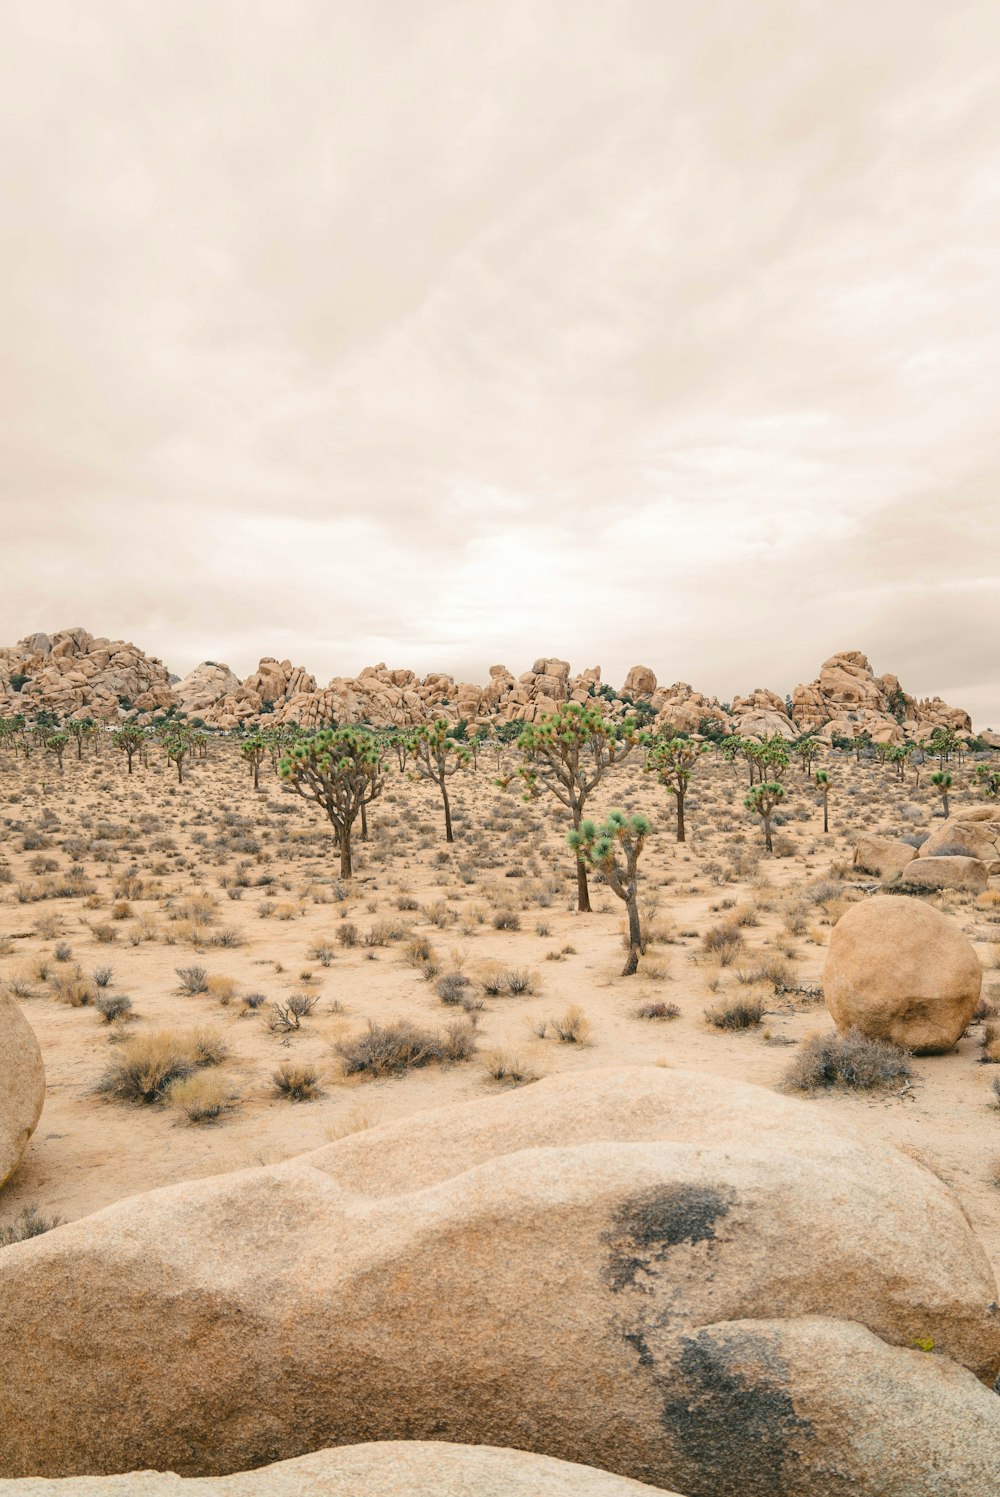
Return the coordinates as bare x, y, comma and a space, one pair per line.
899, 970
680, 706
967, 836
536, 1271
762, 715
640, 683
392, 1468
848, 699
882, 856
22, 1084
967, 874
75, 674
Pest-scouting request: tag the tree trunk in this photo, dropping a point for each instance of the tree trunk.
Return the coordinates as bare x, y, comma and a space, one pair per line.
767, 834
680, 815
448, 837
256, 774
634, 938
826, 819
944, 802
364, 821
582, 887
180, 772
346, 868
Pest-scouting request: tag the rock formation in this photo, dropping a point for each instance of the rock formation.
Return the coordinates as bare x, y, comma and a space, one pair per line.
392, 1468
76, 675
901, 971
693, 1282
22, 1084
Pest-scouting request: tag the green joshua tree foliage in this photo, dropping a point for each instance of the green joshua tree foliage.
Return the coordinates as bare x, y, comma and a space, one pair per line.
128, 740
436, 757
341, 770
614, 848
55, 744
942, 782
988, 779
567, 753
731, 748
253, 751
762, 801
673, 761
823, 781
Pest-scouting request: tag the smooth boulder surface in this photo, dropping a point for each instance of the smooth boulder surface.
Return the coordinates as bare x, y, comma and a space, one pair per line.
401, 1468
529, 1271
22, 1084
972, 835
882, 856
965, 874
900, 970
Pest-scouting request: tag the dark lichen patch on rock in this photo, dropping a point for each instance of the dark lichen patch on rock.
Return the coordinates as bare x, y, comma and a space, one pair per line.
647, 1226
727, 1408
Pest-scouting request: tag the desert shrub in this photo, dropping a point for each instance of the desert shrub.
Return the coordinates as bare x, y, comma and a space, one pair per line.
193, 979
848, 1060
253, 1001
347, 934
418, 951
202, 1098
29, 1224
106, 935
452, 987
208, 1046
990, 1044
384, 931
286, 1017
494, 982
572, 1028
63, 952
657, 1010
147, 1065
723, 943
228, 936
507, 1069
768, 967
114, 1006
296, 1080
389, 1049
102, 976
506, 920
73, 989
735, 1013
222, 989
322, 952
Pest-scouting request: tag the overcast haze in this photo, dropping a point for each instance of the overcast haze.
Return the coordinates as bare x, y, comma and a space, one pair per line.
455, 333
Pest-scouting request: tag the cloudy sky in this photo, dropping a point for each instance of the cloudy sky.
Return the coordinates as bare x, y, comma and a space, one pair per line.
450, 332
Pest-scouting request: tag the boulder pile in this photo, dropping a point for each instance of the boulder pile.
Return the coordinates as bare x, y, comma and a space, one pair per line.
22, 1084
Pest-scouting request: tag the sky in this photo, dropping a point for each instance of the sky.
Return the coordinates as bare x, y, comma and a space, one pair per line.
448, 333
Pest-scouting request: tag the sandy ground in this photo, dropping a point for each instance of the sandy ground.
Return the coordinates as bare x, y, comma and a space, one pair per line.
262, 872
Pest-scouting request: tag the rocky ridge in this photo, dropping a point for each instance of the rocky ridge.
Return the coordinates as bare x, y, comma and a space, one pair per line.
74, 673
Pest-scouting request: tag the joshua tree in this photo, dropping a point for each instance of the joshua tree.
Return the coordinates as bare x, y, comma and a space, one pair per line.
56, 744
253, 751
128, 740
989, 779
807, 749
437, 756
177, 747
673, 762
614, 849
340, 769
823, 781
567, 754
941, 780
81, 728
762, 801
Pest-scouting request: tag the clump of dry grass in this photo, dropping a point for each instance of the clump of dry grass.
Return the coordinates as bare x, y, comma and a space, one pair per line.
390, 1049
298, 1081
736, 1013
990, 1044
507, 1069
657, 1010
847, 1060
146, 1066
202, 1098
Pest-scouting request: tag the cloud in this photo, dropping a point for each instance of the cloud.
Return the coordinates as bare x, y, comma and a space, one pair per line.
451, 333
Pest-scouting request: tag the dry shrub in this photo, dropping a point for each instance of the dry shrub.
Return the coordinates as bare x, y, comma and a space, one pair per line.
193, 979
736, 1013
657, 1010
147, 1065
990, 1044
222, 989
296, 1080
73, 989
202, 1098
114, 1006
847, 1060
389, 1049
723, 943
29, 1224
573, 1028
508, 1069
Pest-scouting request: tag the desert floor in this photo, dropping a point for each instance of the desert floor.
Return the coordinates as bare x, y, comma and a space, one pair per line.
146, 876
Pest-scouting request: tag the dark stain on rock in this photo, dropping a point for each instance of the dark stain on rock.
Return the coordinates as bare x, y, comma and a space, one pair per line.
647, 1226
727, 1409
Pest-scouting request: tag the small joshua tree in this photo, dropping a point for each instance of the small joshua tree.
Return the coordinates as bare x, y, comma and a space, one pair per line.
341, 770
806, 750
55, 744
436, 757
128, 740
614, 848
823, 781
942, 782
989, 779
673, 760
81, 728
177, 747
567, 753
762, 801
253, 752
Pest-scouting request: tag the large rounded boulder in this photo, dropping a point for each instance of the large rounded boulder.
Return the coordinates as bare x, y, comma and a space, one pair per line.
537, 1271
401, 1468
22, 1085
976, 834
967, 875
900, 970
